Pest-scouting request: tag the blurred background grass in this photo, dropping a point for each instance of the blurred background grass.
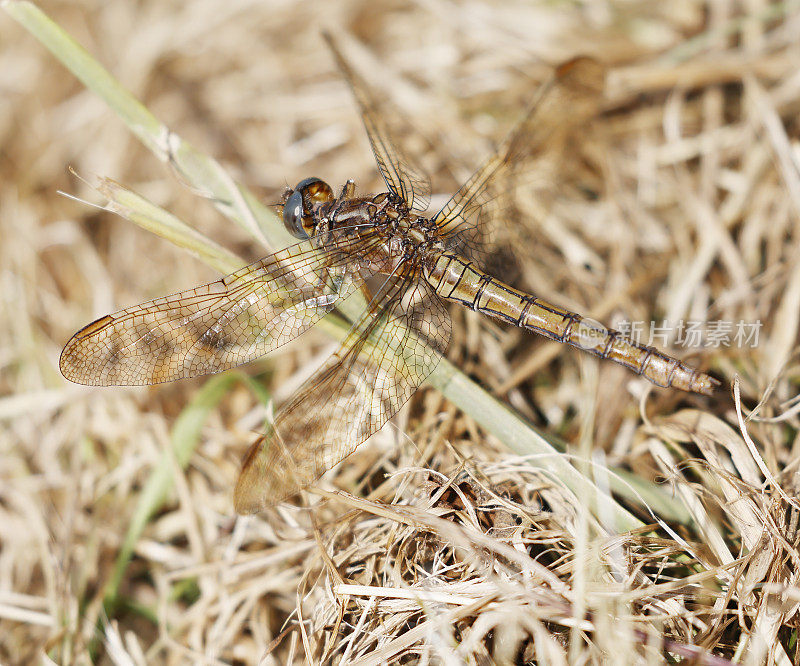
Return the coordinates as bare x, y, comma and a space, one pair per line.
693, 214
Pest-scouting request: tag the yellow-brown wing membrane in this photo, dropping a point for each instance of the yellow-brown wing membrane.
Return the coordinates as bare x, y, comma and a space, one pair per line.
563, 103
386, 356
402, 176
217, 326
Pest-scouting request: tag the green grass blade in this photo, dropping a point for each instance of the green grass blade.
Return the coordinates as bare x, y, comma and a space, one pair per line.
519, 436
184, 437
147, 215
198, 170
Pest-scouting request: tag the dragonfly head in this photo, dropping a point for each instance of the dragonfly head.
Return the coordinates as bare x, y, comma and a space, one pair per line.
301, 203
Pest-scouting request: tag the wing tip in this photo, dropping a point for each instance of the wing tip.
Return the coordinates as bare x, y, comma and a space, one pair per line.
250, 493
269, 475
69, 367
72, 363
583, 72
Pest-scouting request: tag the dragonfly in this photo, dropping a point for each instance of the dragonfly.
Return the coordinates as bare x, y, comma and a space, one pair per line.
406, 266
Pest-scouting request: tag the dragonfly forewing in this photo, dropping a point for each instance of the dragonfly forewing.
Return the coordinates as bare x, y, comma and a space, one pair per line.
217, 326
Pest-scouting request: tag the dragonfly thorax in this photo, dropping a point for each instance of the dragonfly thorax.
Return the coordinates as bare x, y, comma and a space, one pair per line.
393, 239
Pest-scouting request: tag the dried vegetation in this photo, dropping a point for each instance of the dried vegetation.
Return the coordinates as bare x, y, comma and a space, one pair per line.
433, 543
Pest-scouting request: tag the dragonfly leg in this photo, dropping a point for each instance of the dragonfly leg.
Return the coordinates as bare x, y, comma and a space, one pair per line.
348, 191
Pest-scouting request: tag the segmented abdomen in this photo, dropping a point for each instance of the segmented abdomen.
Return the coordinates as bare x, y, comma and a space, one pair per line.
456, 279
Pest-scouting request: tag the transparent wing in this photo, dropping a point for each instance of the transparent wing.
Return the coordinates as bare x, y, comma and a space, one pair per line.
402, 176
566, 101
386, 356
217, 326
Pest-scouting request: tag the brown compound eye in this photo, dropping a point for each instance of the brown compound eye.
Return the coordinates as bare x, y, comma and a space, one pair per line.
300, 205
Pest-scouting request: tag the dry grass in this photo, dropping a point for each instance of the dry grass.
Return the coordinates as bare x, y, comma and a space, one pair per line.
433, 543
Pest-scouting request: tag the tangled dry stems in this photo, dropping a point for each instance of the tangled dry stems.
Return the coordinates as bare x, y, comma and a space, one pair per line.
682, 203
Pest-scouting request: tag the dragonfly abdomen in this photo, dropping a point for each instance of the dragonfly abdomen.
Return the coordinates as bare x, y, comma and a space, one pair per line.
456, 279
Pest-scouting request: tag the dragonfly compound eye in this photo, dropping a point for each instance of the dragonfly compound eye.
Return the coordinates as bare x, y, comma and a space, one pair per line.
302, 203
293, 215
